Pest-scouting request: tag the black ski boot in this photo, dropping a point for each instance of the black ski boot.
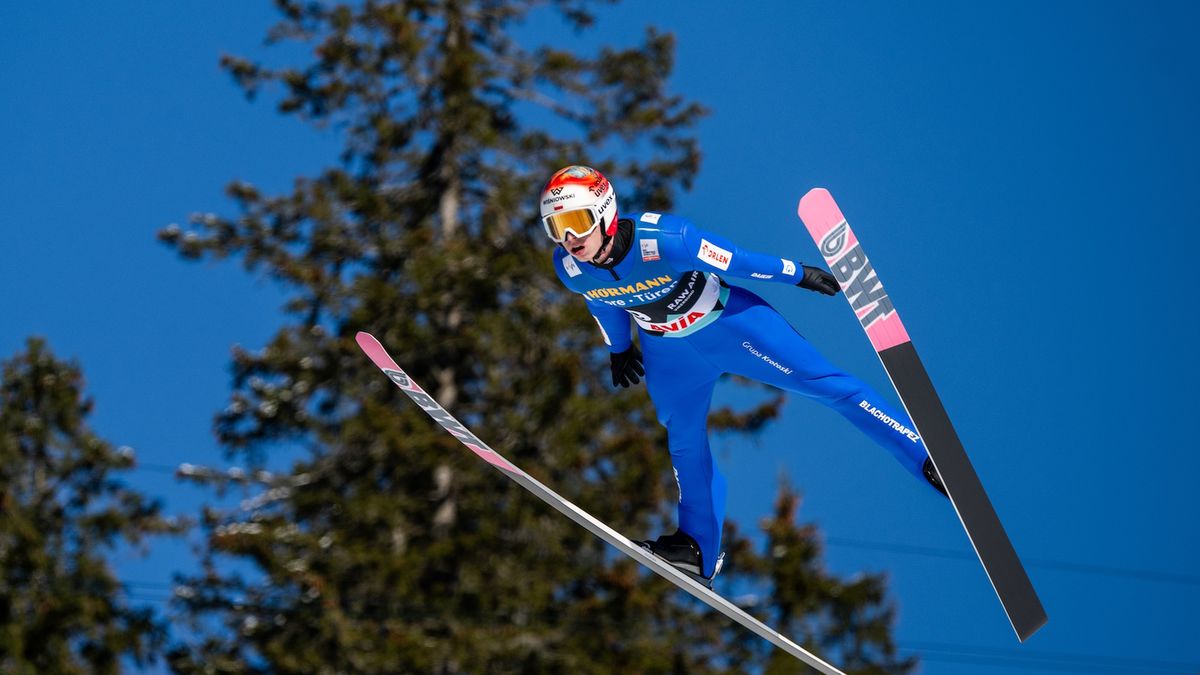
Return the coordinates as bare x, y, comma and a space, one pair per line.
683, 553
932, 476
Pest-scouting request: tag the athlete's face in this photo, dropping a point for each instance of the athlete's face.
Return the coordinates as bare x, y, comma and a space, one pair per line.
584, 248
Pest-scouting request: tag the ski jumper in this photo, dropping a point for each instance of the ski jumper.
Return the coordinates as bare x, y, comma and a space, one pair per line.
693, 327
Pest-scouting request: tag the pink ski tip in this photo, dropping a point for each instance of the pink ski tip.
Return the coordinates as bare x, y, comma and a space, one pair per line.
375, 351
369, 344
813, 195
819, 213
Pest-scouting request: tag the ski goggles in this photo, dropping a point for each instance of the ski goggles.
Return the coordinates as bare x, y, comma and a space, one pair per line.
579, 222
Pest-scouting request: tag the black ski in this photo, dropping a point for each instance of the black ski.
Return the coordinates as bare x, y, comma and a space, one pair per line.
874, 309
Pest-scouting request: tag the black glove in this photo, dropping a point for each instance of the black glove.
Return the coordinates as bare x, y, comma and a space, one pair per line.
626, 367
817, 279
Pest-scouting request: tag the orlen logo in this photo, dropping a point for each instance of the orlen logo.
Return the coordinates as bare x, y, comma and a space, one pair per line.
833, 242
714, 255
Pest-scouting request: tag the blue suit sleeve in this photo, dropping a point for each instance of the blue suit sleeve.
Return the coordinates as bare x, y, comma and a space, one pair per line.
715, 253
614, 325
613, 321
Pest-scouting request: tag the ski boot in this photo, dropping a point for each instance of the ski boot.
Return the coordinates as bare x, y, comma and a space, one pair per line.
683, 553
933, 477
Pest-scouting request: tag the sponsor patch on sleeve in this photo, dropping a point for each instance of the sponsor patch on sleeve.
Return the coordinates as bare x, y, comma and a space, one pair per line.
789, 267
714, 255
649, 250
651, 217
570, 266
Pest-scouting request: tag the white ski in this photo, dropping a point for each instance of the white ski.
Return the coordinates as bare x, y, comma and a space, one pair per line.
380, 357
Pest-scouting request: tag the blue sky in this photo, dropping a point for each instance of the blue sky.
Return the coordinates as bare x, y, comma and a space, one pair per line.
1021, 174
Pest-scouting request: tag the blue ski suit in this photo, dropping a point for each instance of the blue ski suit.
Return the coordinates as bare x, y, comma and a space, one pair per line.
693, 327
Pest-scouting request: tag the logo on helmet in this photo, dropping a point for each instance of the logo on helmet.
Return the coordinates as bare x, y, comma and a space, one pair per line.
555, 191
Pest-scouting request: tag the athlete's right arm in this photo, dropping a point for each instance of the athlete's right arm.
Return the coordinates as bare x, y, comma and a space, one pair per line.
613, 321
614, 325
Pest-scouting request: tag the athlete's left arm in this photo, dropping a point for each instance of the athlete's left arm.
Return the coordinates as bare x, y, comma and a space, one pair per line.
713, 252
708, 251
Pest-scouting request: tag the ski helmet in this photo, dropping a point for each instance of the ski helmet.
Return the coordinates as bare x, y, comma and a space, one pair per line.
578, 199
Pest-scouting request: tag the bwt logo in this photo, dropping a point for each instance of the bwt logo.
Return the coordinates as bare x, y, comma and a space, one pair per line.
833, 242
862, 288
398, 377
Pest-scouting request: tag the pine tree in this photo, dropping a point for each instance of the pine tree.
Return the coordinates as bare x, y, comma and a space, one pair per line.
388, 548
62, 609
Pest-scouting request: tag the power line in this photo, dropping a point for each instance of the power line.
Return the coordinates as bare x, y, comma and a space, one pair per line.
1058, 661
150, 598
161, 585
1124, 572
158, 468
